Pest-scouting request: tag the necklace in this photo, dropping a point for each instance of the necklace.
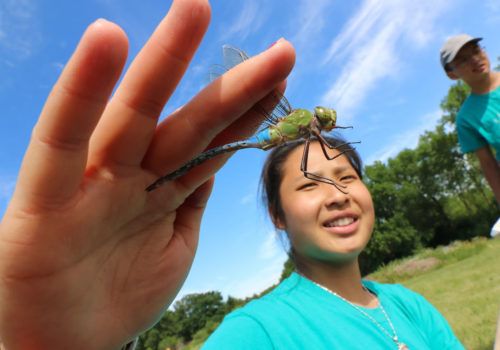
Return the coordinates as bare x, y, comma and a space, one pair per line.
401, 346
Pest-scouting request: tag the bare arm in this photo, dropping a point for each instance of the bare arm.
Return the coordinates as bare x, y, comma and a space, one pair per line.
491, 169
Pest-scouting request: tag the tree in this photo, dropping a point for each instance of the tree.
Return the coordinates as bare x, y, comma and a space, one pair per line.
190, 315
451, 104
288, 268
152, 340
194, 311
391, 239
167, 342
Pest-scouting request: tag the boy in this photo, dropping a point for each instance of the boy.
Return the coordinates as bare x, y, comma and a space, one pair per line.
478, 121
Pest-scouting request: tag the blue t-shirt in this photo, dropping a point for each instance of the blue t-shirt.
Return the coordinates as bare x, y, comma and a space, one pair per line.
478, 122
301, 315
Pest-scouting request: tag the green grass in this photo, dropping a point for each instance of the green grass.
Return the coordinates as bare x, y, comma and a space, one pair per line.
464, 286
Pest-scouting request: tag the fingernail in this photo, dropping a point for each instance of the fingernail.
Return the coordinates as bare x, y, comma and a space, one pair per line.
275, 43
100, 21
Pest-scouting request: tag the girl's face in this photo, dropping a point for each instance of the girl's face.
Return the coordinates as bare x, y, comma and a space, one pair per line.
323, 223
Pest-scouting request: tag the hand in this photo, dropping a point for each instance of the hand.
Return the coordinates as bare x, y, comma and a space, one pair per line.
88, 258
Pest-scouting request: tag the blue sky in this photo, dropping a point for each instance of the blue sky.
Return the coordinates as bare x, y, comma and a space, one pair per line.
375, 62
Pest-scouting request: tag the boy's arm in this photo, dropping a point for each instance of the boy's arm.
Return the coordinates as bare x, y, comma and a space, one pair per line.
491, 169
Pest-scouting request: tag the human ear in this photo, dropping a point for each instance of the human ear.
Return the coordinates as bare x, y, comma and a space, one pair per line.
452, 75
278, 223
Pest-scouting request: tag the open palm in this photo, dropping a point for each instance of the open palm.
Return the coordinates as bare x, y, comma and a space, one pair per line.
88, 258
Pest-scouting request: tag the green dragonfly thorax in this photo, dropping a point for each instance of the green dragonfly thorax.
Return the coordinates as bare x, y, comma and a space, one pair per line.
291, 127
327, 117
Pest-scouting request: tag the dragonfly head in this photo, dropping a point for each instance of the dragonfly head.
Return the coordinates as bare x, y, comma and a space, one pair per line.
327, 117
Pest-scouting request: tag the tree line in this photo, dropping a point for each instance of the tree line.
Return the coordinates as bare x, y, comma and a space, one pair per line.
424, 197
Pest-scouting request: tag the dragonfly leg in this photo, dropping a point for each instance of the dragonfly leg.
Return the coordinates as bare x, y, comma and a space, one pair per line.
323, 142
342, 127
315, 177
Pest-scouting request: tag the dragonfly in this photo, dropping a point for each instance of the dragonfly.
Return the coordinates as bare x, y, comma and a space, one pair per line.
282, 125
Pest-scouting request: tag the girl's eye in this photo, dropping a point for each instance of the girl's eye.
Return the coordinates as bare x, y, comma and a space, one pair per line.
307, 185
349, 177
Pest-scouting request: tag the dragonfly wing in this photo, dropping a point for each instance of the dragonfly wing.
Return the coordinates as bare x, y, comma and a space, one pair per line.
215, 71
232, 56
282, 108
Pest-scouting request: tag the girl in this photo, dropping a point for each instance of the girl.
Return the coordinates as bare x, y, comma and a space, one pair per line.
325, 304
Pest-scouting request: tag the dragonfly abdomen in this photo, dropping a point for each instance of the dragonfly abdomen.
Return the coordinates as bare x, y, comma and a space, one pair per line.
203, 157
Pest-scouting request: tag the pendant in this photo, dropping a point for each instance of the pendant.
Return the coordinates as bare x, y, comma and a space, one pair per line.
403, 346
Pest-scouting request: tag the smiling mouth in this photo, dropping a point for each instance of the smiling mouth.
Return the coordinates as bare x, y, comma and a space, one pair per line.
339, 222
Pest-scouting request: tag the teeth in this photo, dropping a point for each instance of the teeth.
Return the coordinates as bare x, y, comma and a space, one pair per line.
340, 222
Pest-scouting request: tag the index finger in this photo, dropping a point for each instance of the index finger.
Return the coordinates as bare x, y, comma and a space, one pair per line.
56, 157
216, 111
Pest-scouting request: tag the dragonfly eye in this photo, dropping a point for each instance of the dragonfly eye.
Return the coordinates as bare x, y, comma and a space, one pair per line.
327, 116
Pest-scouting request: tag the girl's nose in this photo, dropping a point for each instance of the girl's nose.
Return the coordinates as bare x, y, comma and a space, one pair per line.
334, 196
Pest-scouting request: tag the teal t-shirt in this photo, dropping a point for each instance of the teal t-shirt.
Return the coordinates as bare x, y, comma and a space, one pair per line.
478, 122
301, 315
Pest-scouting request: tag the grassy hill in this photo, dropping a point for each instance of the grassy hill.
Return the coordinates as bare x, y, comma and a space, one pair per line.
461, 280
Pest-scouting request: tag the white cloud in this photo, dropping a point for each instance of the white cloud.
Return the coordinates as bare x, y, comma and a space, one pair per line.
6, 189
371, 44
258, 282
249, 20
19, 34
271, 247
58, 66
494, 11
369, 63
243, 286
355, 31
252, 191
493, 5
408, 139
309, 19
246, 199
